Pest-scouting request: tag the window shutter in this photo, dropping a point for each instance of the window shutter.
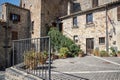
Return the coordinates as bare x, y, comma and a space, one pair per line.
118, 13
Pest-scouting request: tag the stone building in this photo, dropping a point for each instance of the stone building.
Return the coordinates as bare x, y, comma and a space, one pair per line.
95, 25
44, 13
14, 24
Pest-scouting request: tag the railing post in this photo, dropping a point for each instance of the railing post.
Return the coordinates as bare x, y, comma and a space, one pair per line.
13, 53
49, 66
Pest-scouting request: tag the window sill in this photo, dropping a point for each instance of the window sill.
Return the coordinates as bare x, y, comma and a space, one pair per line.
90, 25
101, 43
74, 27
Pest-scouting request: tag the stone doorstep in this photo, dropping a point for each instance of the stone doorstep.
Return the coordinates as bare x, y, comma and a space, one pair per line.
15, 74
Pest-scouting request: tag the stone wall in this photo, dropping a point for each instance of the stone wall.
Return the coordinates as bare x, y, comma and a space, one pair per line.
2, 53
95, 30
44, 12
87, 4
22, 27
15, 74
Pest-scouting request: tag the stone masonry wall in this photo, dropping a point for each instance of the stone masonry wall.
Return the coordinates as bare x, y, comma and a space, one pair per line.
95, 30
15, 74
35, 14
22, 27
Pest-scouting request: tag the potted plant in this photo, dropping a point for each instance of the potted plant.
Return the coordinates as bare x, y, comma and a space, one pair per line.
80, 53
118, 53
30, 60
42, 57
63, 52
103, 53
96, 52
113, 52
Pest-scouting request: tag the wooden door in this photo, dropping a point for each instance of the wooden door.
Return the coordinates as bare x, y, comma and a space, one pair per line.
89, 45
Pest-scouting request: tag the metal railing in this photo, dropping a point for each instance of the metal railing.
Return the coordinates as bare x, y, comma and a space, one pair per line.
33, 56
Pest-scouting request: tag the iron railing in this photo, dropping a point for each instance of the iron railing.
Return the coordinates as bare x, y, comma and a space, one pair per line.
33, 56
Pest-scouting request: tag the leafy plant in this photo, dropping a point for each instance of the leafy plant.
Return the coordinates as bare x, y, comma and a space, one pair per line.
64, 52
103, 53
58, 40
80, 53
118, 52
74, 49
30, 59
42, 57
96, 52
113, 52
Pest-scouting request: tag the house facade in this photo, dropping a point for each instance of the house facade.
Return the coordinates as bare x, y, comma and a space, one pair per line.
95, 26
14, 24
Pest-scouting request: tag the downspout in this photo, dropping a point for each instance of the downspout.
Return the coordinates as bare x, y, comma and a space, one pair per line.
107, 36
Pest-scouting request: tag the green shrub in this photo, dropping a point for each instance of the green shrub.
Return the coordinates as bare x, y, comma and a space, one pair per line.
58, 40
74, 49
63, 52
113, 52
103, 53
118, 52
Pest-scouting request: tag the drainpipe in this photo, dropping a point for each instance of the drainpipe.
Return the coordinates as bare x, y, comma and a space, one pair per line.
107, 36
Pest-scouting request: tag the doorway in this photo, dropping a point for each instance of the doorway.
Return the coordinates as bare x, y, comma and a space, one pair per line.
89, 45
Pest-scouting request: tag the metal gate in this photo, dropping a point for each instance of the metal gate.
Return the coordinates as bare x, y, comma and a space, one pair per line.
33, 56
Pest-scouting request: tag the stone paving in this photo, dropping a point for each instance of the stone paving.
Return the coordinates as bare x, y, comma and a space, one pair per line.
86, 68
2, 75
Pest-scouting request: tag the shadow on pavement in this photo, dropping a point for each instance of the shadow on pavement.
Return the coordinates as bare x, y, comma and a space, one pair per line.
71, 75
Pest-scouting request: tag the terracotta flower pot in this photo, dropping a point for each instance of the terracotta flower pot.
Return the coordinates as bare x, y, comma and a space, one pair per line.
118, 55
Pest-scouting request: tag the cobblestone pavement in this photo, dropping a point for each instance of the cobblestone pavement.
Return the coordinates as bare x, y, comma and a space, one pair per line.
86, 68
2, 75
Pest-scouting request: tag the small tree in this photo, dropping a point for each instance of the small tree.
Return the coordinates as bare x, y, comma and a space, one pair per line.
56, 37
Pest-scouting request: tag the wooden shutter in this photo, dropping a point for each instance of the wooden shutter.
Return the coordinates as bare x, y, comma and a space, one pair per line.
94, 3
118, 13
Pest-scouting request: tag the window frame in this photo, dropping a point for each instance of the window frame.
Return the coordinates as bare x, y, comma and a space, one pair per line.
102, 40
89, 15
14, 17
75, 22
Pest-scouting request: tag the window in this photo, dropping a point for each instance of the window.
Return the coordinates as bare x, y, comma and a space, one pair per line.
75, 22
94, 3
23, 5
32, 27
76, 7
118, 13
102, 40
14, 17
89, 18
75, 38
